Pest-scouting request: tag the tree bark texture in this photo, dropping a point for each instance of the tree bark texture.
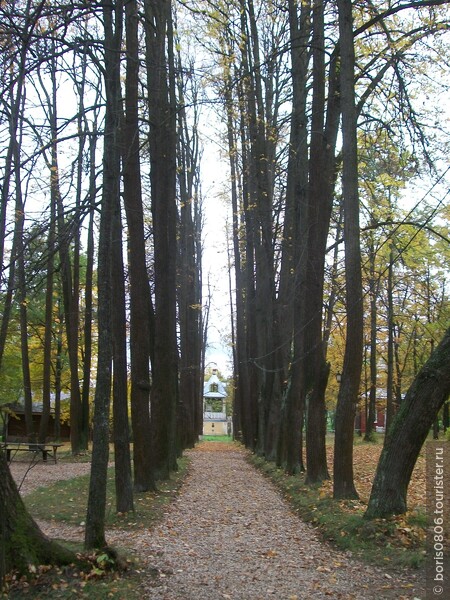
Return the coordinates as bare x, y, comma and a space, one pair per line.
95, 519
122, 454
343, 485
243, 424
427, 394
290, 305
162, 144
324, 128
189, 270
21, 541
141, 339
54, 191
373, 287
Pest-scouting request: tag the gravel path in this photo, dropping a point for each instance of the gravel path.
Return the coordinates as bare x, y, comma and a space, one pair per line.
229, 534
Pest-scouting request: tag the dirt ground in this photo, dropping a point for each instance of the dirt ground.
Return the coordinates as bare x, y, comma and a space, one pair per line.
229, 534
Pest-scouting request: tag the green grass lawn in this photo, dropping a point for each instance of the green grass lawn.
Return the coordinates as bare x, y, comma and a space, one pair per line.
67, 500
217, 438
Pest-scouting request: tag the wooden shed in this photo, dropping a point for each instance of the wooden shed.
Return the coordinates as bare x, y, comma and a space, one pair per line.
13, 426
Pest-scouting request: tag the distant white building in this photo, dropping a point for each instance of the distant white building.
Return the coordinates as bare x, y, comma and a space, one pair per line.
215, 420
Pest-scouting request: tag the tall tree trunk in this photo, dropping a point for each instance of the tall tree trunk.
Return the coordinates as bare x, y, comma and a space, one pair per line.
16, 102
373, 287
253, 402
95, 520
121, 433
141, 339
162, 143
407, 434
242, 422
88, 130
343, 485
390, 407
200, 349
252, 380
82, 128
17, 74
54, 191
189, 268
48, 333
88, 306
291, 297
71, 307
320, 196
67, 230
260, 197
70, 285
8, 297
23, 301
58, 370
122, 456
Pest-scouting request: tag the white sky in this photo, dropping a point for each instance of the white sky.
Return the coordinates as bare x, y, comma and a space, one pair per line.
215, 173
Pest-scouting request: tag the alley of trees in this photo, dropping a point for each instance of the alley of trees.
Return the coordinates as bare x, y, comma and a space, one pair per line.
335, 140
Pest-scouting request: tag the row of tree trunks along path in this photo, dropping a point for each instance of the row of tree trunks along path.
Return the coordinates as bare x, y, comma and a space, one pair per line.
229, 534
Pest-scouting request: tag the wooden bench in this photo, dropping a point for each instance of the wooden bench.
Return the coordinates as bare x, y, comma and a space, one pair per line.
45, 449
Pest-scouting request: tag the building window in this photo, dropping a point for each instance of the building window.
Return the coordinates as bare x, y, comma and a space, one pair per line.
214, 387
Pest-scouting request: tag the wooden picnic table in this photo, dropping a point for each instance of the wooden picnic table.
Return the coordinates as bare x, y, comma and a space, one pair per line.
45, 449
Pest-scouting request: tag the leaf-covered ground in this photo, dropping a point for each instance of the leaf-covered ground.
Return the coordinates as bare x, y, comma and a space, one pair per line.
398, 541
230, 534
366, 457
404, 531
